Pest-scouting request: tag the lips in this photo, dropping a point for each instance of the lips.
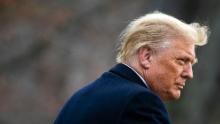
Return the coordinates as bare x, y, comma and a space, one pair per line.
180, 85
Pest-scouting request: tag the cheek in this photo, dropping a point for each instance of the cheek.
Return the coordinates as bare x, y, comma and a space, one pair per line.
163, 75
168, 73
167, 77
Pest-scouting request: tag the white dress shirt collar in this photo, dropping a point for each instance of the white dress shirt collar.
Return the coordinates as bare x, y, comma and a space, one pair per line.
137, 74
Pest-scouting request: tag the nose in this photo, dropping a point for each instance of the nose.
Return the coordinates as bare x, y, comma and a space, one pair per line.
188, 71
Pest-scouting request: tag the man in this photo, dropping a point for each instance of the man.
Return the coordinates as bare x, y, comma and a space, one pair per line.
155, 58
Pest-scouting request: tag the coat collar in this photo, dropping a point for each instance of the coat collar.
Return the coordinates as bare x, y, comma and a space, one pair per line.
125, 72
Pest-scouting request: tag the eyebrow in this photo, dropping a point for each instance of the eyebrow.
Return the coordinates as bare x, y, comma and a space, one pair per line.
192, 58
195, 61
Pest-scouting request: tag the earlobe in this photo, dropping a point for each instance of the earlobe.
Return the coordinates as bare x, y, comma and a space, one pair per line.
144, 55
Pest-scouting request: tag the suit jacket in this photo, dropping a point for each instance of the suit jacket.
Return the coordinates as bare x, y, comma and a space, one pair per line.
118, 97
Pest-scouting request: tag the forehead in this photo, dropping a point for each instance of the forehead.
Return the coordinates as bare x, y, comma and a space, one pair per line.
181, 47
184, 46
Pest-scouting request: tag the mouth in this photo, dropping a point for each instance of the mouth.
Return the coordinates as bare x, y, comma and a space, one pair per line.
180, 86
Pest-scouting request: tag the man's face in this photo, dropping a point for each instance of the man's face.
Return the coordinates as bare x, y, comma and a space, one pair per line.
170, 68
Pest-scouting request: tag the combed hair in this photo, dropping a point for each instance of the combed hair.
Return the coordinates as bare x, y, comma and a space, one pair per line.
153, 30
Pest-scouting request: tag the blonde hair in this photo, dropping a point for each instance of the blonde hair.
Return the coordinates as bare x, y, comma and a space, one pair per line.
154, 30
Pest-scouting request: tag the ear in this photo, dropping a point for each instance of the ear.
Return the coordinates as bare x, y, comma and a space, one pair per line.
144, 55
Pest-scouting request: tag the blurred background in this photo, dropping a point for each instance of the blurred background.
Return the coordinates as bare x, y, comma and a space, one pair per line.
51, 48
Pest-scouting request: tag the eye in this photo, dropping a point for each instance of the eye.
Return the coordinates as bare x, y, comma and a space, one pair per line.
181, 62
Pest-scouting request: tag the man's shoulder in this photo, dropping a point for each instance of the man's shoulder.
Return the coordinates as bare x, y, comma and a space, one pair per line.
114, 86
113, 80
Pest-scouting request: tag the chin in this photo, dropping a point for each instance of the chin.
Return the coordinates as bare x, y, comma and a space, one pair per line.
176, 96
172, 96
